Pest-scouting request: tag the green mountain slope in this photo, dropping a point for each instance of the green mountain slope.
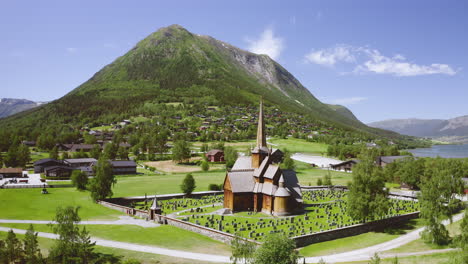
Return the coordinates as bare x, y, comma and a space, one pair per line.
174, 65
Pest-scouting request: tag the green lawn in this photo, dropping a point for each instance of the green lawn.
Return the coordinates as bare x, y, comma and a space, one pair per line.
426, 259
358, 241
31, 204
308, 175
163, 236
145, 258
38, 155
163, 184
299, 145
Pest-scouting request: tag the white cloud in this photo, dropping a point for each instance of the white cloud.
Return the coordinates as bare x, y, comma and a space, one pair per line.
397, 65
368, 60
331, 56
71, 50
267, 43
348, 100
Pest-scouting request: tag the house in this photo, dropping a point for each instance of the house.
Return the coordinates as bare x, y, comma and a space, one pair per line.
257, 184
39, 165
345, 165
29, 143
11, 173
75, 147
123, 167
76, 163
58, 171
382, 161
215, 155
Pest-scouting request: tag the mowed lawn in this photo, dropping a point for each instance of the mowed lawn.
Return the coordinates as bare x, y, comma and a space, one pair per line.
164, 236
30, 204
145, 258
359, 241
163, 184
308, 175
298, 145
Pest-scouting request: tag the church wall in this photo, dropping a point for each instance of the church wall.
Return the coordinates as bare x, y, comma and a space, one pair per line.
267, 204
243, 202
282, 205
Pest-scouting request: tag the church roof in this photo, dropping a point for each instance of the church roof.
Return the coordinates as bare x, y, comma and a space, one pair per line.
271, 172
241, 181
292, 184
242, 163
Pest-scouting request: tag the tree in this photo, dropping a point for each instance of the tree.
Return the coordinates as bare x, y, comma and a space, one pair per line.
230, 156
122, 153
439, 187
65, 155
110, 150
73, 245
288, 162
319, 182
375, 259
12, 156
101, 185
24, 155
242, 250
32, 253
14, 250
53, 154
327, 179
188, 184
205, 165
79, 179
204, 148
95, 151
277, 249
462, 240
367, 197
181, 151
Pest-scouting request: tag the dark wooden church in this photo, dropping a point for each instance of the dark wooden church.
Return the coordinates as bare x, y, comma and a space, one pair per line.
256, 183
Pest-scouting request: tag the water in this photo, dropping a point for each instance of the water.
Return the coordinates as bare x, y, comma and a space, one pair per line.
444, 151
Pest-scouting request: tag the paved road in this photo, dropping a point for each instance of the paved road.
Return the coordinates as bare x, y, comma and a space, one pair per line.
354, 255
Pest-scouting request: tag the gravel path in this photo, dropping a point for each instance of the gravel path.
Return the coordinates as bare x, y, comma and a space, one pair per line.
123, 220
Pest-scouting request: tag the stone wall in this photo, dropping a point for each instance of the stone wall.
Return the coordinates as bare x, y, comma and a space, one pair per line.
302, 241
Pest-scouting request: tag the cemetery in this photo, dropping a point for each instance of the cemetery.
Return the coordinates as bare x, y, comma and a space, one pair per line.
325, 210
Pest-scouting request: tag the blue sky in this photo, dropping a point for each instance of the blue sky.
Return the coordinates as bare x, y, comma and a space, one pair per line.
382, 59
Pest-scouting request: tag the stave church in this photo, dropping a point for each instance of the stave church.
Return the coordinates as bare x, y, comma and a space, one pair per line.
257, 183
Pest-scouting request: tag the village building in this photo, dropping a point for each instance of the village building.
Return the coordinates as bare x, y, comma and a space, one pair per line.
383, 161
39, 165
11, 173
256, 183
345, 165
215, 155
120, 167
76, 163
58, 171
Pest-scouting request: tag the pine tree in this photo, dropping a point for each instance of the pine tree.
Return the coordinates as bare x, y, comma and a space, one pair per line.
32, 253
101, 184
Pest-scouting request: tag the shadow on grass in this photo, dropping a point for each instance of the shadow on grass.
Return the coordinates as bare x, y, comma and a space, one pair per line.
401, 228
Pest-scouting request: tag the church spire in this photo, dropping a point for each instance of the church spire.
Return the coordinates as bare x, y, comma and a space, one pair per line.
261, 138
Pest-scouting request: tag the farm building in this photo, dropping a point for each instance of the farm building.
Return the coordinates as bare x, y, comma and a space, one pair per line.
382, 161
345, 165
256, 183
39, 165
58, 171
11, 172
123, 167
215, 155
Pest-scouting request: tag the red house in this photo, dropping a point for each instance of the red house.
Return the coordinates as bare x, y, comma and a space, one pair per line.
215, 155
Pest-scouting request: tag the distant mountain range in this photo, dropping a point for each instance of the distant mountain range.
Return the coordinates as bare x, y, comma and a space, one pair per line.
451, 130
10, 106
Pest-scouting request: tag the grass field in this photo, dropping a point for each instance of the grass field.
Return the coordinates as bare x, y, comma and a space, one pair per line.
308, 175
298, 145
145, 258
358, 241
163, 184
437, 258
164, 236
32, 205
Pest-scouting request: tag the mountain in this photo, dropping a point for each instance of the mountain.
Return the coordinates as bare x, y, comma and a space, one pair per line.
342, 110
9, 106
175, 65
452, 130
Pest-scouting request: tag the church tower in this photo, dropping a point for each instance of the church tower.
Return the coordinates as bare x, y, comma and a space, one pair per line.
261, 150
